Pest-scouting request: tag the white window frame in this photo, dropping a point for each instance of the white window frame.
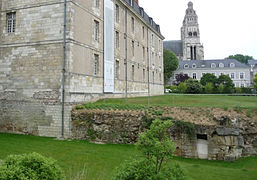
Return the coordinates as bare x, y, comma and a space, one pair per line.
11, 22
242, 74
221, 65
213, 65
233, 75
194, 73
96, 30
186, 66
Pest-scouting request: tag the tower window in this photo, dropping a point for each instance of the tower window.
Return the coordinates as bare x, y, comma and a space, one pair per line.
195, 33
11, 22
190, 34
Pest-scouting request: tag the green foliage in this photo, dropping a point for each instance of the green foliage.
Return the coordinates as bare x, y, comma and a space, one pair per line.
155, 144
30, 166
221, 88
170, 64
209, 78
158, 112
249, 113
193, 86
255, 82
238, 109
157, 149
209, 88
182, 87
185, 127
241, 58
142, 169
228, 85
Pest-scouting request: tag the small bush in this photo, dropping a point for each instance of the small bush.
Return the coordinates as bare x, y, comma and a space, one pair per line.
30, 167
182, 87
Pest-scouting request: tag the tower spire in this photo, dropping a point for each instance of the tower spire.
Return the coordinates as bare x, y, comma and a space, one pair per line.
190, 35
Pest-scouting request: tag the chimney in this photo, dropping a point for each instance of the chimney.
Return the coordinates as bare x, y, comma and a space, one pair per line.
136, 1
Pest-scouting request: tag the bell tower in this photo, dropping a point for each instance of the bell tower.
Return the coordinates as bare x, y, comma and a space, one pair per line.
190, 36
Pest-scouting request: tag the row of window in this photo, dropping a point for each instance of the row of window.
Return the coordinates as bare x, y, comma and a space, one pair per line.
117, 70
213, 65
232, 75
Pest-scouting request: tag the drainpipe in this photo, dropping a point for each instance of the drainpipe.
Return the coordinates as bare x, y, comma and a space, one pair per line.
148, 69
126, 54
63, 66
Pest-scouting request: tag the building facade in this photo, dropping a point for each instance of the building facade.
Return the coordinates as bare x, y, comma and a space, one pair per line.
238, 72
54, 54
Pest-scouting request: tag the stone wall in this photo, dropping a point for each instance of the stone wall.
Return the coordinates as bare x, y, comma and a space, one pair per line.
222, 138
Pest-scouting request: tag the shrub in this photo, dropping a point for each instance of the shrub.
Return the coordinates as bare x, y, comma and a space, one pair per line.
209, 88
182, 87
30, 166
193, 86
221, 88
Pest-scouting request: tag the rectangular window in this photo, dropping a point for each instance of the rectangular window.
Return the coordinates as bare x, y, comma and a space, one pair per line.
160, 76
143, 49
242, 85
96, 30
152, 40
144, 75
143, 32
153, 76
96, 3
117, 39
133, 48
117, 13
117, 72
132, 24
159, 46
241, 75
11, 22
232, 75
132, 72
194, 75
96, 64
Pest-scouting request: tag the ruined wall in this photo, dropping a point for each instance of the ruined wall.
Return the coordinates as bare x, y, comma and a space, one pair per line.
222, 138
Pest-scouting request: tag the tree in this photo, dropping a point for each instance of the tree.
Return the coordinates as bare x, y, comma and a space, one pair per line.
193, 86
241, 58
227, 83
182, 87
208, 88
255, 82
170, 64
181, 78
209, 78
157, 149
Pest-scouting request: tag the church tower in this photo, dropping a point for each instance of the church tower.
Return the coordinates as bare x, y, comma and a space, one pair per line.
190, 36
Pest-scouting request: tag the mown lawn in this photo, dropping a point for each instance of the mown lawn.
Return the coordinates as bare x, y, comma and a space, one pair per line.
190, 101
101, 160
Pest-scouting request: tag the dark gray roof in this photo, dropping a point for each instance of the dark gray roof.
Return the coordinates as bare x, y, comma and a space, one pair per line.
139, 10
252, 62
208, 63
174, 46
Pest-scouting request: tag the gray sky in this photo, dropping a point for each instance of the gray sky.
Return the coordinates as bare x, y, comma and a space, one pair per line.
226, 26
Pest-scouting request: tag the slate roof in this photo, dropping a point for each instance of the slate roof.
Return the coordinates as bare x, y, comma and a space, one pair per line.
252, 62
174, 46
140, 11
203, 64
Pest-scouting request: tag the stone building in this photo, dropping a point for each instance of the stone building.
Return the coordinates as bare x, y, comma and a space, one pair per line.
190, 54
238, 72
189, 47
54, 54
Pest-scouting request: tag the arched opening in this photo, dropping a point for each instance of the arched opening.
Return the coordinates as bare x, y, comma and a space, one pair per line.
195, 33
190, 34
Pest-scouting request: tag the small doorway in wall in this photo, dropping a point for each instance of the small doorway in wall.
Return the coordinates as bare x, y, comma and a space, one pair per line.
202, 146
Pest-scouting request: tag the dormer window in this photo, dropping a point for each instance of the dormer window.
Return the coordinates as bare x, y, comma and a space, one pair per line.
194, 66
232, 65
186, 66
213, 65
221, 65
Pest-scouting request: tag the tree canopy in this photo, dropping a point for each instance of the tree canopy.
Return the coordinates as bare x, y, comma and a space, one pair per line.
181, 78
226, 82
170, 64
241, 58
209, 78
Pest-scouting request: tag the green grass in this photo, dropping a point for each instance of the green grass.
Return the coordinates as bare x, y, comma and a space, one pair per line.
101, 160
222, 101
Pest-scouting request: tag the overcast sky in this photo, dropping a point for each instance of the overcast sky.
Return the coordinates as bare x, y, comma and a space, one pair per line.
226, 26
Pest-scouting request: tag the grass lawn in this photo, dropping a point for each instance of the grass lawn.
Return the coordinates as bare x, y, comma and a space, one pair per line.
101, 160
190, 100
